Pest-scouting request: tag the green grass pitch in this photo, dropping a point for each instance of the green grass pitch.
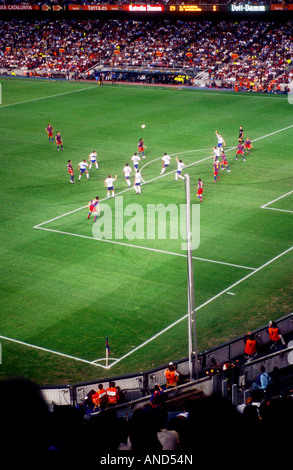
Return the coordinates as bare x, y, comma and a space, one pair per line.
63, 292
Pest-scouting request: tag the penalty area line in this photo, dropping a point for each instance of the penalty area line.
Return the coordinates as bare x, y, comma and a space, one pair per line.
155, 250
161, 176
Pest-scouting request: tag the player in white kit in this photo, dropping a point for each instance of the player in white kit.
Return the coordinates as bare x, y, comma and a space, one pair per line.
93, 160
135, 159
82, 169
109, 185
221, 141
127, 170
180, 166
165, 162
137, 182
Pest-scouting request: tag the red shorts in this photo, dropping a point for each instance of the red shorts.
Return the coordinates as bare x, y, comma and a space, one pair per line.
93, 208
200, 191
50, 134
140, 149
239, 152
224, 162
70, 172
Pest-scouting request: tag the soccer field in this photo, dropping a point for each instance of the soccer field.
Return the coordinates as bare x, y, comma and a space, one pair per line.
63, 290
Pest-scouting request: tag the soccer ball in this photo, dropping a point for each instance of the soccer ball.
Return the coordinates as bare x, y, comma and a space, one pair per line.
143, 126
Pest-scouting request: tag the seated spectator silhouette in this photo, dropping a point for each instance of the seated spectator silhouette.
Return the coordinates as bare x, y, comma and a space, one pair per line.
262, 380
24, 418
144, 426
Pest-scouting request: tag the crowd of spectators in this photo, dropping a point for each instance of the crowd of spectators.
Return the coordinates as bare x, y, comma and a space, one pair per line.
249, 55
198, 425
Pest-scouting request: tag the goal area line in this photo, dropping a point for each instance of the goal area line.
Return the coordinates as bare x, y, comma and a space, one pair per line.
95, 362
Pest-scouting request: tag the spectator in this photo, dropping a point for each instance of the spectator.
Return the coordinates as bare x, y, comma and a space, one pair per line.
214, 366
144, 427
250, 350
255, 399
276, 339
24, 420
157, 397
112, 395
100, 398
217, 415
262, 380
172, 376
168, 437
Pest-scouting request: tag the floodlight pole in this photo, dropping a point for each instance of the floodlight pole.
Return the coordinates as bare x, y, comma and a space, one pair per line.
192, 347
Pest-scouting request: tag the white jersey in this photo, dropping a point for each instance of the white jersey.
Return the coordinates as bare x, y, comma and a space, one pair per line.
137, 178
220, 140
166, 159
135, 159
217, 152
109, 182
180, 166
83, 165
127, 170
93, 156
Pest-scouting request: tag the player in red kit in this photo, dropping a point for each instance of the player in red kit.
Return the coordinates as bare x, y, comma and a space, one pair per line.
58, 140
199, 189
224, 163
216, 170
240, 151
247, 145
94, 205
141, 148
71, 171
49, 129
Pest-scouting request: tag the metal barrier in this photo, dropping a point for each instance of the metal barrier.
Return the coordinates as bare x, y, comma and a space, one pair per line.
139, 385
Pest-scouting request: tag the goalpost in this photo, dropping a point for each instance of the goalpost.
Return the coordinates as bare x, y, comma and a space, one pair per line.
192, 347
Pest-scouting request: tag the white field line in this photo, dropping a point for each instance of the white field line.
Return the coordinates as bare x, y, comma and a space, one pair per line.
265, 206
39, 348
278, 210
161, 176
123, 191
202, 305
94, 362
47, 97
156, 250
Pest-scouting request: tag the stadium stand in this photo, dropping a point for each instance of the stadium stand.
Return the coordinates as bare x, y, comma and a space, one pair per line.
195, 417
204, 53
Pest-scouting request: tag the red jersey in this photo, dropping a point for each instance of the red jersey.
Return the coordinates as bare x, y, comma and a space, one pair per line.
200, 188
240, 148
49, 130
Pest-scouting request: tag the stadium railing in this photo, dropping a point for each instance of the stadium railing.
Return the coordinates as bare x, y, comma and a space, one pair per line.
139, 385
